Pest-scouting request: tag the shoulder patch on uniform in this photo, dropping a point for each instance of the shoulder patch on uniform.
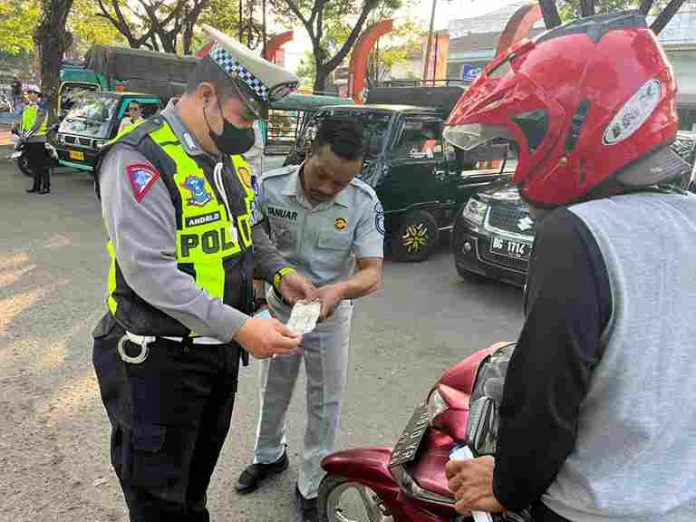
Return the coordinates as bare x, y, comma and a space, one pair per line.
141, 177
379, 217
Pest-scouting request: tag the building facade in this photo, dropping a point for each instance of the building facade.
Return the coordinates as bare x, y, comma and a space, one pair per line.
473, 43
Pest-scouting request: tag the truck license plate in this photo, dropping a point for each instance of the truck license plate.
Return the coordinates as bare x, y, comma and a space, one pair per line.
76, 155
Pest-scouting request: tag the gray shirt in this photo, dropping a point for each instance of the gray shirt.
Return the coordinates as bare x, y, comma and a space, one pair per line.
323, 240
144, 237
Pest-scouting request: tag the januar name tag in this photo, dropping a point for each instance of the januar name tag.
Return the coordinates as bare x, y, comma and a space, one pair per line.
304, 316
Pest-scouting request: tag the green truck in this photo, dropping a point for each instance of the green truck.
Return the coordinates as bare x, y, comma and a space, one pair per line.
121, 69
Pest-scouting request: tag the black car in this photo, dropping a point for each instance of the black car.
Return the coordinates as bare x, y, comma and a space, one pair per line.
420, 180
493, 232
493, 235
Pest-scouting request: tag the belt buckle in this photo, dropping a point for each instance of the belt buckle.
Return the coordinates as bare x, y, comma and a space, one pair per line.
138, 359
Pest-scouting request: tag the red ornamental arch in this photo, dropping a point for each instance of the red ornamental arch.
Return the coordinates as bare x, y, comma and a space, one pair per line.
275, 44
518, 26
357, 70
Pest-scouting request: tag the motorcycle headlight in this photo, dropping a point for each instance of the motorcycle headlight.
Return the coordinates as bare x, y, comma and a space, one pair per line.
436, 405
475, 211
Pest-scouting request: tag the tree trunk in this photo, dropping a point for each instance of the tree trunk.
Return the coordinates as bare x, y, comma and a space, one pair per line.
320, 79
52, 40
188, 38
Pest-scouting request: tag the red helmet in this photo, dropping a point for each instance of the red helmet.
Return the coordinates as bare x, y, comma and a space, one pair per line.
582, 101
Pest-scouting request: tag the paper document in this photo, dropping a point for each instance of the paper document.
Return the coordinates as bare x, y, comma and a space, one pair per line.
304, 316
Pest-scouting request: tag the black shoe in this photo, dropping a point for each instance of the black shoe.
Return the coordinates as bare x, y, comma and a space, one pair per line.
252, 477
32, 190
44, 191
308, 507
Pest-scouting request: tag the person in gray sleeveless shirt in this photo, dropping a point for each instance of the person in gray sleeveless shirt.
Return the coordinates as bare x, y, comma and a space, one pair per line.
598, 416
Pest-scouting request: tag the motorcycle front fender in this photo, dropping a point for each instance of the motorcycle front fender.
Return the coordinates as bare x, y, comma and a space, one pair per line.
368, 465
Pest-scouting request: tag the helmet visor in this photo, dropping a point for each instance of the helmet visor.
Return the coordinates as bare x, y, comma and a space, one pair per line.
470, 136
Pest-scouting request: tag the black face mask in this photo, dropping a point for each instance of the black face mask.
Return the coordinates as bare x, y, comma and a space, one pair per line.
232, 140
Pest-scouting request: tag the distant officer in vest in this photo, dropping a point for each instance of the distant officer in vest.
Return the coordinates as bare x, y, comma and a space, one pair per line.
330, 225
33, 131
176, 199
598, 414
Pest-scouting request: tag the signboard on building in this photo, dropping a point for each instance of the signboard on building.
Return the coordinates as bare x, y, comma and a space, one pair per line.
471, 71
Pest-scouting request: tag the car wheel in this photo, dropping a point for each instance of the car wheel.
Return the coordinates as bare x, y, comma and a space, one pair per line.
341, 500
416, 237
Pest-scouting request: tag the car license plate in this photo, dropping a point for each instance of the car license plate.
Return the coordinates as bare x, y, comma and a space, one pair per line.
508, 248
76, 155
406, 447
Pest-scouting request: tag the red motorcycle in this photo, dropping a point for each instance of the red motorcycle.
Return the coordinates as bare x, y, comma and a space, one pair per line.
408, 482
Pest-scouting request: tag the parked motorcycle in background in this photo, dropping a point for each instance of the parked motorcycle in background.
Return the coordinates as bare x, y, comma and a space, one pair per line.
19, 155
408, 482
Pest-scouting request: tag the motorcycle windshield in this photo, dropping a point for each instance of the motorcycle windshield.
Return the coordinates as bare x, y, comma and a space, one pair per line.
486, 396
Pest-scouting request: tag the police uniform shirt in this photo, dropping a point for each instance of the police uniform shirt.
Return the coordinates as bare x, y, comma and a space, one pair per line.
322, 240
142, 227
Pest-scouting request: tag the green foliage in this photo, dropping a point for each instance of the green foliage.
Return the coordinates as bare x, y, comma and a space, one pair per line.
89, 29
331, 26
570, 9
395, 48
18, 18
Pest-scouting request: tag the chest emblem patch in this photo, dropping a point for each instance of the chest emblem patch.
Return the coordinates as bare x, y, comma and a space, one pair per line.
244, 175
199, 195
340, 223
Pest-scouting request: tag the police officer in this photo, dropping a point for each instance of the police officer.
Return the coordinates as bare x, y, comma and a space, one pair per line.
176, 199
329, 225
33, 131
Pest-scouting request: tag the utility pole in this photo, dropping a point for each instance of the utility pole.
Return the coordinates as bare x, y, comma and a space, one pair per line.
428, 47
241, 18
263, 27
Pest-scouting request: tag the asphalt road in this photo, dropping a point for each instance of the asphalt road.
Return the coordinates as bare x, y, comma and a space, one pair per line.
54, 432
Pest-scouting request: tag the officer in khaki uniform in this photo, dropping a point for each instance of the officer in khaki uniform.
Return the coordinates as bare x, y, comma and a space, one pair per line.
329, 225
176, 199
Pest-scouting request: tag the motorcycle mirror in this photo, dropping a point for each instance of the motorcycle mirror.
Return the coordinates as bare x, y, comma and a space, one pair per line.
482, 430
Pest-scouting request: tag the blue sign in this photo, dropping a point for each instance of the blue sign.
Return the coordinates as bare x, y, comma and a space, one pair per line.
470, 72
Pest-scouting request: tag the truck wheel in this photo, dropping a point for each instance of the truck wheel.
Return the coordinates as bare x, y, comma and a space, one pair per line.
341, 499
416, 236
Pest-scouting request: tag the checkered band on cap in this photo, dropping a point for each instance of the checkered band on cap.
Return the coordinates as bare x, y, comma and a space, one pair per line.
232, 67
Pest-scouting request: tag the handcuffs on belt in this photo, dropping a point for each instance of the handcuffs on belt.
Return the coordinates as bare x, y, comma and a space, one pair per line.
139, 340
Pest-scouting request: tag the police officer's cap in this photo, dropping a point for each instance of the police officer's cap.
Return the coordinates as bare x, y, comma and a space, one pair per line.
261, 82
33, 88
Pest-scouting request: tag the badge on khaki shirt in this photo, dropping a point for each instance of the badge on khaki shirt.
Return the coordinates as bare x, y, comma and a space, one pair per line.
340, 223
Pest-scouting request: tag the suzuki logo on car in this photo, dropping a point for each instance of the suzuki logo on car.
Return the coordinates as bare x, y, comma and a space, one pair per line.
525, 223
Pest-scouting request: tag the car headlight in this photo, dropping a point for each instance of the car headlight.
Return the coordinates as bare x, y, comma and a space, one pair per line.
98, 144
475, 211
436, 405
